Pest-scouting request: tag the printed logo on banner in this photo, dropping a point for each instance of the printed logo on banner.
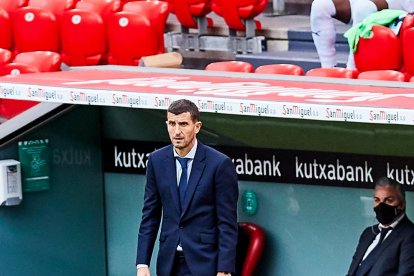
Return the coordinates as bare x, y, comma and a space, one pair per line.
9, 92
85, 97
215, 106
259, 109
128, 100
385, 116
340, 113
162, 102
277, 165
294, 110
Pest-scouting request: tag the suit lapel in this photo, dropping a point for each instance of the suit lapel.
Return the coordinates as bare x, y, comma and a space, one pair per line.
195, 175
171, 177
394, 234
365, 243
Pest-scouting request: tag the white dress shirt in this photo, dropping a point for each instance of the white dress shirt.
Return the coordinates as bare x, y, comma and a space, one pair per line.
377, 237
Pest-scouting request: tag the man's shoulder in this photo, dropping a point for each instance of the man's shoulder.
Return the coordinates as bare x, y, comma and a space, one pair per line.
161, 151
210, 151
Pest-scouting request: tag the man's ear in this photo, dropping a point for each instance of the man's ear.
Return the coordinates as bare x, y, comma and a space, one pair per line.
402, 206
198, 127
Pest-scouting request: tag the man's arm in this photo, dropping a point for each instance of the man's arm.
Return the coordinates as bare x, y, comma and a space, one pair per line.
151, 217
406, 262
227, 192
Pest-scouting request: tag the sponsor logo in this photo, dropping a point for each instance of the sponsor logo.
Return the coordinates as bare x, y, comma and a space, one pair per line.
253, 108
85, 97
296, 110
385, 116
257, 167
333, 171
162, 102
213, 106
341, 114
125, 99
404, 175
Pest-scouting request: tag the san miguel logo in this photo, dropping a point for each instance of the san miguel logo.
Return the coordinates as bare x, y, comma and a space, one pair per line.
298, 111
342, 114
83, 97
162, 102
254, 108
215, 106
128, 100
278, 165
385, 116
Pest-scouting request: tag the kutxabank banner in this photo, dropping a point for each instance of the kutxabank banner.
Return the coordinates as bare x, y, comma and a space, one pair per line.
278, 165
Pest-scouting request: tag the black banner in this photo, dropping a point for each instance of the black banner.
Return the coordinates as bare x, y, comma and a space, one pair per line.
277, 165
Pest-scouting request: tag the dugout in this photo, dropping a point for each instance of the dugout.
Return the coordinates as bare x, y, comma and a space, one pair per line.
308, 148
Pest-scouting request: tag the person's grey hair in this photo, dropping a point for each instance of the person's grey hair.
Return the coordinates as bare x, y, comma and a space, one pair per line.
387, 182
181, 106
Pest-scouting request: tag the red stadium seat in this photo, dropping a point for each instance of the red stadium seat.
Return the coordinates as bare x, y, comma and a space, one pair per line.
190, 13
43, 61
12, 5
35, 29
408, 23
83, 35
101, 7
386, 75
5, 56
14, 68
32, 62
6, 38
334, 72
231, 66
282, 69
250, 246
236, 13
408, 50
131, 37
57, 7
372, 51
156, 11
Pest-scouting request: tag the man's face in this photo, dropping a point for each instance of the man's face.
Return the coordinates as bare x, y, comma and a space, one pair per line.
388, 195
182, 131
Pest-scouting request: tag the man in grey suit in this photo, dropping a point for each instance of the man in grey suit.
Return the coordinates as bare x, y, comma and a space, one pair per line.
386, 248
193, 190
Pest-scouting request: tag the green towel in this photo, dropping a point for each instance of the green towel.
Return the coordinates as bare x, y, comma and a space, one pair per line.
364, 29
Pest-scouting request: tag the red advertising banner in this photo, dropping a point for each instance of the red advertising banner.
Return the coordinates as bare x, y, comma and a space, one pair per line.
240, 94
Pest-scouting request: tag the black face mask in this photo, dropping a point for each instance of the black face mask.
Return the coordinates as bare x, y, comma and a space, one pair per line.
386, 214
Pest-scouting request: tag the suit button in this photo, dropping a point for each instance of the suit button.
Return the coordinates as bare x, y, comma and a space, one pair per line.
181, 226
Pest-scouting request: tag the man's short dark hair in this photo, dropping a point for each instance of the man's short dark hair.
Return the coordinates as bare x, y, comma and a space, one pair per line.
181, 106
387, 182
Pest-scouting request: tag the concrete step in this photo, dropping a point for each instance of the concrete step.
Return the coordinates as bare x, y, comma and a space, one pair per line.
306, 59
288, 40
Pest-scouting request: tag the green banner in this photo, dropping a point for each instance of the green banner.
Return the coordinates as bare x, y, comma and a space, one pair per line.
34, 159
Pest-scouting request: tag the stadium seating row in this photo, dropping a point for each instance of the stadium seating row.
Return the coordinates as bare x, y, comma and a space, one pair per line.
94, 32
296, 70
